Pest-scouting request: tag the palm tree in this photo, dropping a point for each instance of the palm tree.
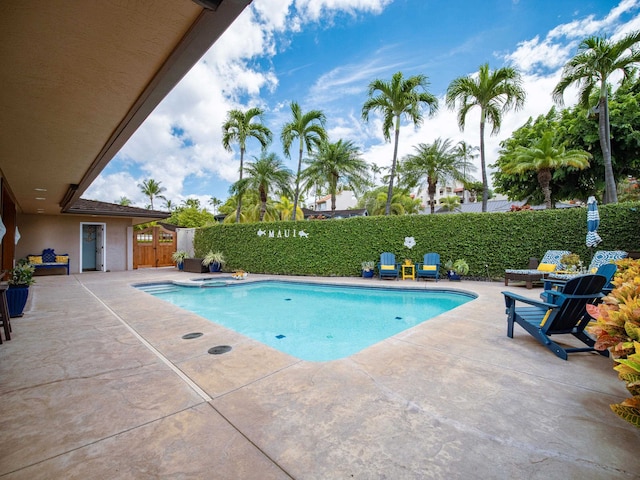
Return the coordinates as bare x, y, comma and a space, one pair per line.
337, 162
308, 128
239, 128
124, 201
191, 203
450, 203
265, 174
215, 203
437, 163
168, 205
285, 207
403, 179
397, 98
466, 152
376, 171
401, 204
473, 187
543, 157
596, 60
152, 189
495, 92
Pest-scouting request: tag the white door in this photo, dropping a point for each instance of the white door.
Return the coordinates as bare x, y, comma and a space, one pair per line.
92, 239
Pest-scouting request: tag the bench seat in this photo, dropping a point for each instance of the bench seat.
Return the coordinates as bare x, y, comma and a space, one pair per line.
49, 259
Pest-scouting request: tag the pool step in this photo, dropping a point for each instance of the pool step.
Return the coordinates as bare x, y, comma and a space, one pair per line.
156, 289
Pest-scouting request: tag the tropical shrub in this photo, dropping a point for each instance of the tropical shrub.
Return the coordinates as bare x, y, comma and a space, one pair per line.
489, 242
617, 328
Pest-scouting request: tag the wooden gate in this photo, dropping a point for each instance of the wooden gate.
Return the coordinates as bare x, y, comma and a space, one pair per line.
153, 247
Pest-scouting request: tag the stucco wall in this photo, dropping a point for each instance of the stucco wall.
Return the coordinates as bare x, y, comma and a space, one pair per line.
62, 233
185, 239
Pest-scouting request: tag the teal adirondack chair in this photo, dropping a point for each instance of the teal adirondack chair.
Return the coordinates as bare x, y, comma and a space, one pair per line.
387, 267
430, 266
564, 313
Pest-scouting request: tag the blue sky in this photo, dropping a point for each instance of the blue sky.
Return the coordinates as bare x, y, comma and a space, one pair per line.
324, 53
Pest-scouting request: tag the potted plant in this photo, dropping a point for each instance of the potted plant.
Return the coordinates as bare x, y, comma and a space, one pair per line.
456, 269
20, 278
213, 260
178, 256
367, 269
571, 262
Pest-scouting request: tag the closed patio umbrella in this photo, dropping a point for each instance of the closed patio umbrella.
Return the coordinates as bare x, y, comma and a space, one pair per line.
593, 221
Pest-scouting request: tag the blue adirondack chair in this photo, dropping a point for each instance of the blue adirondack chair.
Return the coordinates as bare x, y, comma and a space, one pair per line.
387, 267
607, 270
430, 266
565, 313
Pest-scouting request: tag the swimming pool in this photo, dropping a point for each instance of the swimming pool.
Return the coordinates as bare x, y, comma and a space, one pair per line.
314, 322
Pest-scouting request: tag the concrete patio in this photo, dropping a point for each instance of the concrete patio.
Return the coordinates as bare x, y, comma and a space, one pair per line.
98, 383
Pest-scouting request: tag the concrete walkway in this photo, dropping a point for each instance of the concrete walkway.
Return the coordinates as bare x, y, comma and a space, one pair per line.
98, 383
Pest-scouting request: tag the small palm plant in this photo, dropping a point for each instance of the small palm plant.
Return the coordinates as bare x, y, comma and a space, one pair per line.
213, 260
367, 266
178, 257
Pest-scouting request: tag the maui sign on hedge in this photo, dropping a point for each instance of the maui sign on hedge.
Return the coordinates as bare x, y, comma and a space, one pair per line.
283, 233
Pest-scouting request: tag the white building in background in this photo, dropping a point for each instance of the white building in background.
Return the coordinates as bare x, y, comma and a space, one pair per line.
345, 200
443, 191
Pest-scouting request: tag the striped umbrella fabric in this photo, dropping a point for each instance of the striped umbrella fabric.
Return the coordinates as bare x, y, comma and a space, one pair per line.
593, 221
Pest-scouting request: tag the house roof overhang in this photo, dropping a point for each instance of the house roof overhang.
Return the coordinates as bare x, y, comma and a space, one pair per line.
94, 208
79, 78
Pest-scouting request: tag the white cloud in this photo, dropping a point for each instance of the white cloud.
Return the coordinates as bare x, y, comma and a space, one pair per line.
546, 53
115, 186
314, 10
560, 43
585, 27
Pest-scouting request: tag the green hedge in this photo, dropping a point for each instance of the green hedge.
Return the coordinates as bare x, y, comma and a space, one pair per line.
489, 242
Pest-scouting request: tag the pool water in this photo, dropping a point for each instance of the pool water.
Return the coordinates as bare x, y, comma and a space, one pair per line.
310, 321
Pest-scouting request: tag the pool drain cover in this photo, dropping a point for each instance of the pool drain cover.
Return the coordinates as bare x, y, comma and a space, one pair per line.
191, 336
219, 350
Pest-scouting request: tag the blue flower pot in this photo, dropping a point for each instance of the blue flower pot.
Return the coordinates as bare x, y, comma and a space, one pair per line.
453, 276
17, 299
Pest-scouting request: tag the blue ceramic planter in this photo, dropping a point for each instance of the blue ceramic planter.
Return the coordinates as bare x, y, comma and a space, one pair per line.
17, 299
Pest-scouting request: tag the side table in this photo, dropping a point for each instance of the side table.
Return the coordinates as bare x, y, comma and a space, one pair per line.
408, 271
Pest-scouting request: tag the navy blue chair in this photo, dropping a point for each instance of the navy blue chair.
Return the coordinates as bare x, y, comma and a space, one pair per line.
564, 313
